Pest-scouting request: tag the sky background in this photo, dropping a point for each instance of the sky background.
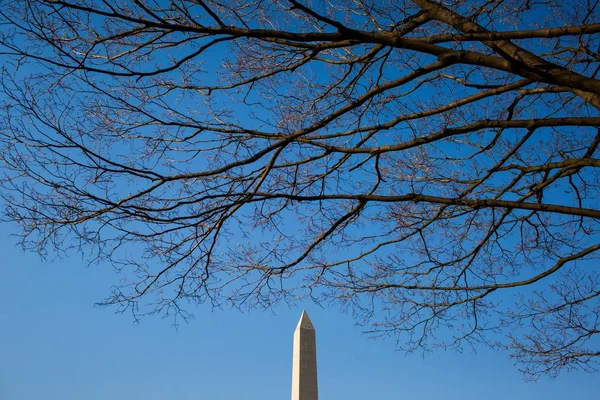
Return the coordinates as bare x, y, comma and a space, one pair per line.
55, 344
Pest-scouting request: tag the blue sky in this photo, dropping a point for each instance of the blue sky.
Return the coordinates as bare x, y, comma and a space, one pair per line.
54, 344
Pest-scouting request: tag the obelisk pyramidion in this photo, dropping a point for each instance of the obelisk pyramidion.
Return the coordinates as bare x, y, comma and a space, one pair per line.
304, 370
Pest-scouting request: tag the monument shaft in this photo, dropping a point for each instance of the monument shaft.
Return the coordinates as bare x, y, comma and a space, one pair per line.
304, 370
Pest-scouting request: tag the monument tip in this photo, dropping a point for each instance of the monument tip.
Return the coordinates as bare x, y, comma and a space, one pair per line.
305, 322
304, 363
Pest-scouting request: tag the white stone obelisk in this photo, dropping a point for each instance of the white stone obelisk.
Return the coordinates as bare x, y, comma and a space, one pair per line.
304, 369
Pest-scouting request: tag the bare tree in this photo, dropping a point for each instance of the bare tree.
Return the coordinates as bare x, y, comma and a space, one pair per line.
431, 165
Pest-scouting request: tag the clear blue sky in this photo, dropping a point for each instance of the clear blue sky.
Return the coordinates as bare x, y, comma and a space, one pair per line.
54, 344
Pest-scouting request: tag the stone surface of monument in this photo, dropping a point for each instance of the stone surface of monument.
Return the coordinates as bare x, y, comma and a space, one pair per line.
304, 369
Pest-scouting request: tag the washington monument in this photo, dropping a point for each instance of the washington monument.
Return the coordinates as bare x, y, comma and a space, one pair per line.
304, 369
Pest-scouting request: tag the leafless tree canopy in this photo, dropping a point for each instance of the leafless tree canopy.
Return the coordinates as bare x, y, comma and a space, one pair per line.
433, 166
